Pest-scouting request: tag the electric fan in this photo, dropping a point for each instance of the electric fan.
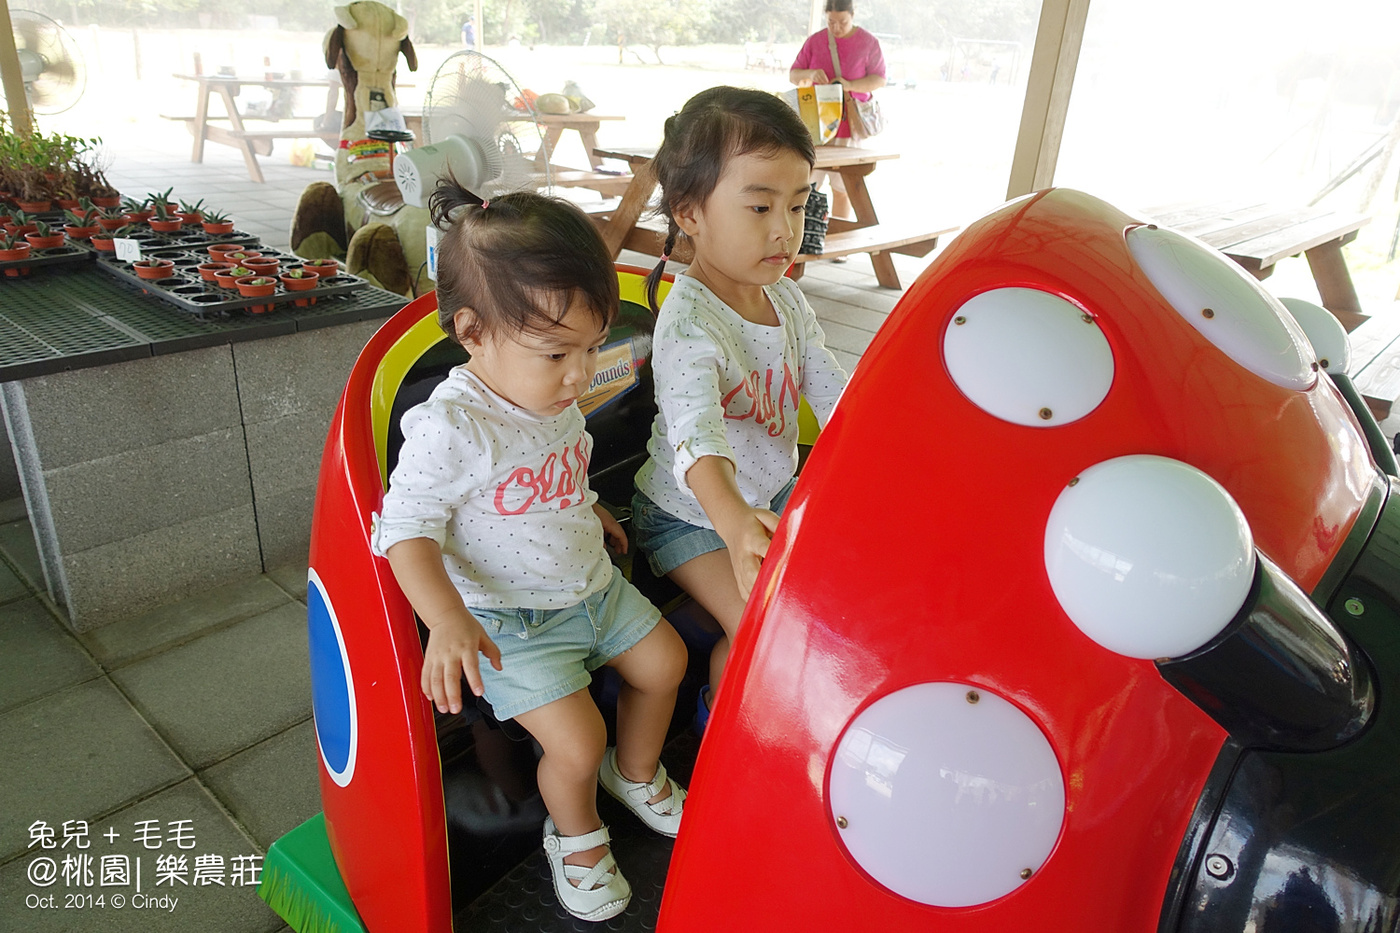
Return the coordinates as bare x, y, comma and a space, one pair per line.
476, 127
49, 62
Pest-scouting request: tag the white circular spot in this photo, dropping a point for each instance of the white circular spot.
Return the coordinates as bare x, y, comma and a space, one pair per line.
1324, 332
1148, 556
1028, 357
945, 801
1225, 304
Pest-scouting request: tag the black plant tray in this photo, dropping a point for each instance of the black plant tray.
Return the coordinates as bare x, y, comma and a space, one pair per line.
72, 251
186, 290
190, 237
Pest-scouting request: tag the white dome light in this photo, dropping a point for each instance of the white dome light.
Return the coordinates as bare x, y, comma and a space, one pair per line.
1226, 304
1148, 556
1326, 334
1028, 357
946, 794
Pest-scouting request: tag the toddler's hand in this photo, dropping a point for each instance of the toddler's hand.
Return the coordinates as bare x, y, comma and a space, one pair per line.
613, 534
747, 540
453, 645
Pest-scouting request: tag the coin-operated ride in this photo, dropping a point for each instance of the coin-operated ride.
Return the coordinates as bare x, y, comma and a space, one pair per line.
1109, 641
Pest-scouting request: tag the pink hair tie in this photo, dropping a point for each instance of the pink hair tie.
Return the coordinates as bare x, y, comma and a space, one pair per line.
665, 257
485, 203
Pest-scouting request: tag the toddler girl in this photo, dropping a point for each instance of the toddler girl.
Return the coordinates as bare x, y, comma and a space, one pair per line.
497, 541
736, 344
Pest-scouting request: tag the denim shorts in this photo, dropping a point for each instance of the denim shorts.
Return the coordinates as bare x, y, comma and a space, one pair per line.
547, 654
669, 542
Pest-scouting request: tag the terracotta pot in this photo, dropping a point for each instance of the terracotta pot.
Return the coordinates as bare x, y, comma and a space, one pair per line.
13, 255
322, 267
140, 216
66, 204
238, 255
217, 250
208, 269
165, 226
217, 229
104, 244
264, 265
153, 268
33, 207
16, 230
256, 286
80, 233
194, 218
299, 284
114, 201
226, 279
110, 225
44, 242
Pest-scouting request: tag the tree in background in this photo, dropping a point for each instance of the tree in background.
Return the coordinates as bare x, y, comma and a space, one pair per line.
652, 23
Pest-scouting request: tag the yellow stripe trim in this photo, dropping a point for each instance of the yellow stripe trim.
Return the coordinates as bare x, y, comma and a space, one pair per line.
389, 376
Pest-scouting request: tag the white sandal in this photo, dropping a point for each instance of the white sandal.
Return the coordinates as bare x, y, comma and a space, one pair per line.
595, 893
664, 816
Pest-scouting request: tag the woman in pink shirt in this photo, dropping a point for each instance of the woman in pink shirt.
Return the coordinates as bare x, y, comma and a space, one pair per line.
862, 71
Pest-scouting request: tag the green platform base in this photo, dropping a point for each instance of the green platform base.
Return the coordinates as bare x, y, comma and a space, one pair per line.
301, 883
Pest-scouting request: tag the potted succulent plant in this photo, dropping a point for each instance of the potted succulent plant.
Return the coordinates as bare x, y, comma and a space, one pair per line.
153, 268
43, 237
262, 265
165, 219
137, 210
207, 270
81, 223
12, 249
299, 280
226, 278
216, 223
322, 267
20, 223
111, 218
255, 286
192, 213
105, 241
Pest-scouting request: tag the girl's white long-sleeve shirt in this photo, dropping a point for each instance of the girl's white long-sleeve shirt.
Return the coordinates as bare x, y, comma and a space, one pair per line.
504, 493
729, 388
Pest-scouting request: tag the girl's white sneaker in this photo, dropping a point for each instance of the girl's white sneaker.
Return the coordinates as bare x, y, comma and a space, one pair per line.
595, 893
663, 816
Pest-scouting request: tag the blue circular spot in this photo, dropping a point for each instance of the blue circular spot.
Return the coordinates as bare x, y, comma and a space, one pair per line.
331, 693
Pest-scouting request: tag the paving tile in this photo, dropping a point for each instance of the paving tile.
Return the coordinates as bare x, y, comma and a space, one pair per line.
37, 655
284, 524
189, 908
272, 787
229, 689
17, 541
12, 587
74, 755
285, 376
138, 636
291, 577
13, 510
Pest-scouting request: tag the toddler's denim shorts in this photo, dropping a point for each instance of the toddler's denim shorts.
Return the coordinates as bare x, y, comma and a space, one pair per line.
669, 541
547, 654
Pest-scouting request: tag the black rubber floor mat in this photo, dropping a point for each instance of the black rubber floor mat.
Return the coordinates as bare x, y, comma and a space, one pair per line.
524, 902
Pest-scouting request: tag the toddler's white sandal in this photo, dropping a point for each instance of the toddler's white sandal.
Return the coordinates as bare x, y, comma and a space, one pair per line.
664, 816
601, 891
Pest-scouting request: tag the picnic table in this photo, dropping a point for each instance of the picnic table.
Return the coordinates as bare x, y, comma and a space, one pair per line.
253, 141
595, 177
1258, 234
623, 227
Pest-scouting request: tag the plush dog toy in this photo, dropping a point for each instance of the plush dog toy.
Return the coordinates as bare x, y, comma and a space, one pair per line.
361, 218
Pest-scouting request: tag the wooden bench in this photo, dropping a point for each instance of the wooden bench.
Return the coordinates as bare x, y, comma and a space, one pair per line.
1375, 363
1258, 234
879, 241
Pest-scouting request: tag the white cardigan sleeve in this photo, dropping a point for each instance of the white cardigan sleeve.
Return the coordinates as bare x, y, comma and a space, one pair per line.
686, 369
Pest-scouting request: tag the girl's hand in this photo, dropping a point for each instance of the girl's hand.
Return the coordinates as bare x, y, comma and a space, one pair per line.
819, 77
453, 644
748, 538
613, 535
